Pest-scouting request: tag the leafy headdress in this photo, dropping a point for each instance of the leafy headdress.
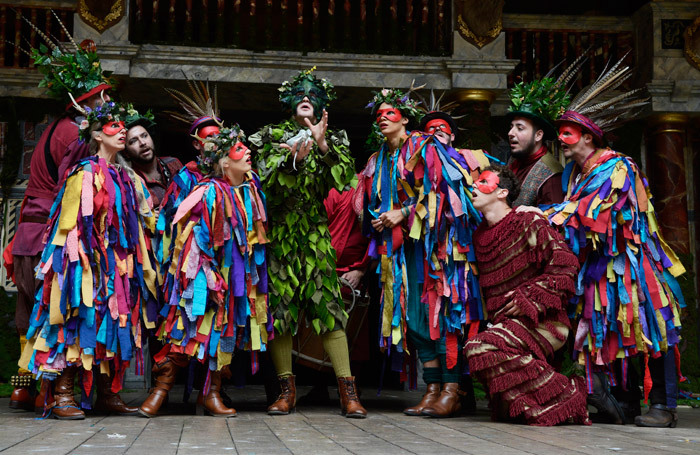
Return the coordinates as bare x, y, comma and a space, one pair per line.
320, 92
409, 108
101, 115
544, 100
596, 110
218, 146
200, 109
73, 70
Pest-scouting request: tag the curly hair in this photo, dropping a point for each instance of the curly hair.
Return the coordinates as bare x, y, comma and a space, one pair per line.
506, 180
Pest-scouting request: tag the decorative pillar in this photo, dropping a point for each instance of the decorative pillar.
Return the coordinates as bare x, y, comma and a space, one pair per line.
474, 117
665, 140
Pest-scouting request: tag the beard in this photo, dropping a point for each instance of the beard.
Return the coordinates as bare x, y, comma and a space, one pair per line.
526, 151
136, 159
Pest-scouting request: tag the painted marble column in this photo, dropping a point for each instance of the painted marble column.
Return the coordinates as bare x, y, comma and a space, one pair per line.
665, 142
473, 118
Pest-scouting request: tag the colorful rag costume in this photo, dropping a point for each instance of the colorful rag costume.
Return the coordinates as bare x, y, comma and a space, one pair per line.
628, 300
524, 260
99, 283
433, 181
302, 263
216, 286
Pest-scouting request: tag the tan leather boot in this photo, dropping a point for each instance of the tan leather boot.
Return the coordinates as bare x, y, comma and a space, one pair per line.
165, 373
287, 400
22, 398
448, 404
212, 404
431, 395
108, 401
64, 406
350, 405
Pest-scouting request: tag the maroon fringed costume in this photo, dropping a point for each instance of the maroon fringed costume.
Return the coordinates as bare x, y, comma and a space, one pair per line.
521, 258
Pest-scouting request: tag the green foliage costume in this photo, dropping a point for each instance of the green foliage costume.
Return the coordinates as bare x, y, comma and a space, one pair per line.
302, 264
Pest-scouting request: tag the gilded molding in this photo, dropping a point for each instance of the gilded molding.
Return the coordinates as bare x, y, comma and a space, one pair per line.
117, 9
473, 95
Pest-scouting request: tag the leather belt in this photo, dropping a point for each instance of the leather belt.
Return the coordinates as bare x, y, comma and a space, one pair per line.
34, 219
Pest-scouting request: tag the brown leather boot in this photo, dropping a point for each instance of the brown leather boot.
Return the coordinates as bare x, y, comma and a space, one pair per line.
350, 405
165, 373
40, 400
448, 404
431, 395
212, 404
287, 400
64, 406
22, 398
108, 401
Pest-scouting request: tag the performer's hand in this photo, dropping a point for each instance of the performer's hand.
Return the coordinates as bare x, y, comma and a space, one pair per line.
318, 131
528, 208
377, 224
511, 310
353, 277
301, 151
391, 218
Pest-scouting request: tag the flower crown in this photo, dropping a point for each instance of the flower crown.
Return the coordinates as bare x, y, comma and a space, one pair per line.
403, 102
287, 88
217, 146
103, 114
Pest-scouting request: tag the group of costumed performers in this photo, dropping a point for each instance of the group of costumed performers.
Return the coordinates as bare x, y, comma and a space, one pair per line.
99, 268
628, 299
420, 219
98, 281
300, 161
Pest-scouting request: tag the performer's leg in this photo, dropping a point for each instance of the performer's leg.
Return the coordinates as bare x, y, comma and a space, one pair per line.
164, 371
107, 400
508, 358
449, 403
432, 373
23, 395
660, 415
336, 345
281, 353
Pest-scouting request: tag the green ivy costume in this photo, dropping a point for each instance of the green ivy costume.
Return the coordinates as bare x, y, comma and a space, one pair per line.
302, 264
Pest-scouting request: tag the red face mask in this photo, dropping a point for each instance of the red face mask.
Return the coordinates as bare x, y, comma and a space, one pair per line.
570, 133
437, 125
392, 114
112, 128
487, 182
237, 152
207, 131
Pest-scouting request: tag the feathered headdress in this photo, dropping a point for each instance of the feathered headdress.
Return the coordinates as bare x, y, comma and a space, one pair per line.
101, 115
200, 109
596, 111
75, 70
544, 100
436, 110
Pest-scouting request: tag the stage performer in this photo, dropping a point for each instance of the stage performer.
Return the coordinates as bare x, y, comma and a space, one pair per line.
527, 275
534, 107
628, 298
216, 286
98, 281
156, 171
57, 150
448, 389
300, 160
